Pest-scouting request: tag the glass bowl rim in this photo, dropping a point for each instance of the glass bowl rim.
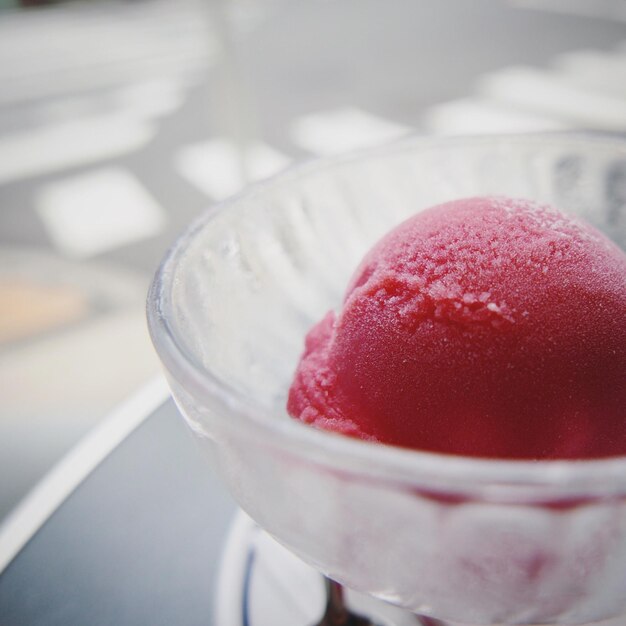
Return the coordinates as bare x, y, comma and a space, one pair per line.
510, 480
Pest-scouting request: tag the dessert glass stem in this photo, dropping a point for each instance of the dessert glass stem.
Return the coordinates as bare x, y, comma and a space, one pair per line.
430, 621
336, 613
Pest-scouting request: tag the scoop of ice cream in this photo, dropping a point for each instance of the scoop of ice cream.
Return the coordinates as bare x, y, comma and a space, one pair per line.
487, 327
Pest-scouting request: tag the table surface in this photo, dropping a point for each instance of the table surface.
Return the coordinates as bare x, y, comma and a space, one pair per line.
138, 542
139, 539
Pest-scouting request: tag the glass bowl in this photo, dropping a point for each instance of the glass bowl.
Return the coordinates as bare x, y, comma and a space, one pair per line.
468, 540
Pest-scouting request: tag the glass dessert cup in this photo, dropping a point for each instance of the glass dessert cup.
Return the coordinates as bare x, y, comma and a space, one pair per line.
464, 540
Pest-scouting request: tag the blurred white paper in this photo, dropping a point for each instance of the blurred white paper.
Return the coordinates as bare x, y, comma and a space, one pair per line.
217, 167
341, 130
70, 144
104, 209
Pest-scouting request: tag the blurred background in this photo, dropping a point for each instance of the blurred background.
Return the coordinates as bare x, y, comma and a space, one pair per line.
122, 121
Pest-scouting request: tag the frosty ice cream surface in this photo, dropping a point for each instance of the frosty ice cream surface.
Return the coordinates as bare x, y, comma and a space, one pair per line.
489, 327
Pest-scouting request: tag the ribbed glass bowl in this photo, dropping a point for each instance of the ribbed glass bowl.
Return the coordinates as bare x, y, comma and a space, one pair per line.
469, 540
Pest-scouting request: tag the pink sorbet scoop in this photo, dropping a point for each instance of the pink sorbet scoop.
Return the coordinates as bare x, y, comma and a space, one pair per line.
487, 327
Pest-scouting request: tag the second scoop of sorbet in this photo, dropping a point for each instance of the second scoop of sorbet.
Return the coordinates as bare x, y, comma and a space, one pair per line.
486, 327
